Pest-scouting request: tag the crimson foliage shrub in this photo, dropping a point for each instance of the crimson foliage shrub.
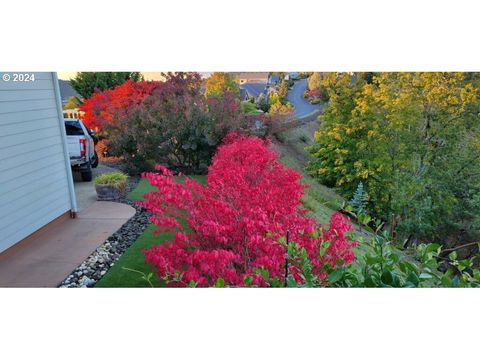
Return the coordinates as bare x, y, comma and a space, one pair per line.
105, 107
236, 223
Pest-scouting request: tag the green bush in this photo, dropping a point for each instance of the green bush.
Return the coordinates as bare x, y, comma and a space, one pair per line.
386, 265
304, 138
281, 137
115, 178
247, 107
263, 103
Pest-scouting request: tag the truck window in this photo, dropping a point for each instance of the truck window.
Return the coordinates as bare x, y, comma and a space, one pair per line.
73, 128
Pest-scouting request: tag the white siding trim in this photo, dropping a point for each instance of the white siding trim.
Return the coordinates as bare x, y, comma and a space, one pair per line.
58, 100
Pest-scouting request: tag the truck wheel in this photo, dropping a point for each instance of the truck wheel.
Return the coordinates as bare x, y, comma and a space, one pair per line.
94, 159
87, 175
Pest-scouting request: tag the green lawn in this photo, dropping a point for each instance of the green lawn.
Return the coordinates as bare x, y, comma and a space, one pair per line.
144, 187
133, 259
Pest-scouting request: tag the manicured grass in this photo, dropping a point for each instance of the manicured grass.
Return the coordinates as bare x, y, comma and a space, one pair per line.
144, 187
133, 259
118, 277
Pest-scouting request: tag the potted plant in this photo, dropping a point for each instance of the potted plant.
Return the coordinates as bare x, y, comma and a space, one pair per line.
111, 186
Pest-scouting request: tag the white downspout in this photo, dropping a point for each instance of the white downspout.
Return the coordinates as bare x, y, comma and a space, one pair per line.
58, 100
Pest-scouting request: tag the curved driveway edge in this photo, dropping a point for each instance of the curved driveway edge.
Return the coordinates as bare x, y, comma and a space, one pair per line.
47, 260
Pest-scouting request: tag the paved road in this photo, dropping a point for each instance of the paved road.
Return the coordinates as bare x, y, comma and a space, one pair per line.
302, 107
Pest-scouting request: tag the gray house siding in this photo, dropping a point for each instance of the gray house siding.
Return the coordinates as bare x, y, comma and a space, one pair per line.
35, 177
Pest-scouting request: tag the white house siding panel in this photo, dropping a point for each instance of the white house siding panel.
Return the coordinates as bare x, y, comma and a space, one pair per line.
34, 179
25, 95
27, 115
13, 106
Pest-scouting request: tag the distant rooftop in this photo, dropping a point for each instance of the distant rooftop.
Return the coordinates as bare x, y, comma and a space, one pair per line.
251, 77
243, 94
66, 90
274, 79
253, 89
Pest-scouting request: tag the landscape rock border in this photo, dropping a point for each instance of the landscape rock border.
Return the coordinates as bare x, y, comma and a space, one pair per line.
105, 255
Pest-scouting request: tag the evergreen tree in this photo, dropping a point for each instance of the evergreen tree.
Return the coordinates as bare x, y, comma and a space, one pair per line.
359, 201
85, 83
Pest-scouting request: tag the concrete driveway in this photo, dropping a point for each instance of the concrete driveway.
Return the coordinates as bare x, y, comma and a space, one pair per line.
302, 107
85, 190
46, 259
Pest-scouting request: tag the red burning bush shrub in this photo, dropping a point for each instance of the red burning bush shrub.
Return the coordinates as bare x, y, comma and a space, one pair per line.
235, 221
102, 106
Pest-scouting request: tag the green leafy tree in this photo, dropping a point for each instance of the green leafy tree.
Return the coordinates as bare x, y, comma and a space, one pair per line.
317, 85
277, 106
220, 82
85, 83
314, 81
283, 90
412, 139
262, 102
72, 103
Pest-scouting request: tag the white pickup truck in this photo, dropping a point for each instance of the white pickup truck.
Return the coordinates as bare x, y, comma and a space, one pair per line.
81, 148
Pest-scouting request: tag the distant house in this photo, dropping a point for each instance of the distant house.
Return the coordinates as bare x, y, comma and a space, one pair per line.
66, 91
253, 90
273, 80
243, 94
253, 84
251, 77
291, 76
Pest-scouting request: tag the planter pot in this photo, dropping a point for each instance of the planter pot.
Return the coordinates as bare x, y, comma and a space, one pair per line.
109, 192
